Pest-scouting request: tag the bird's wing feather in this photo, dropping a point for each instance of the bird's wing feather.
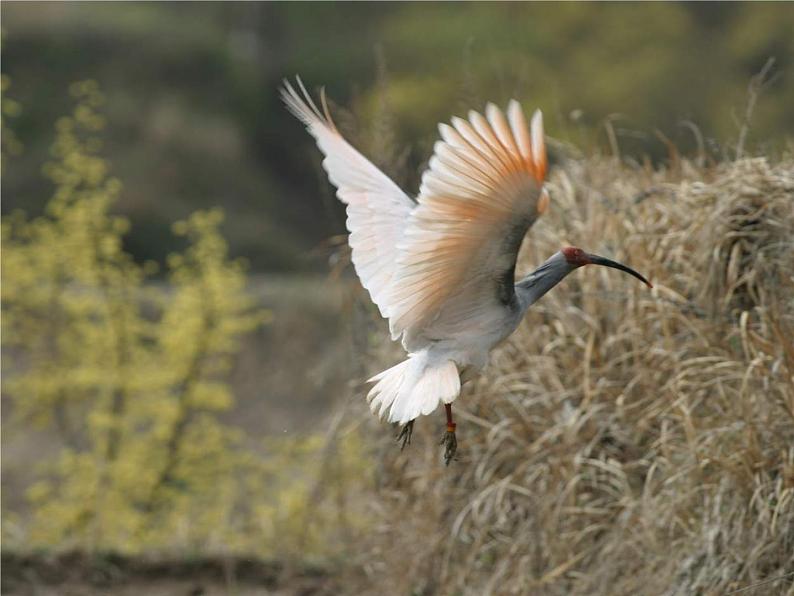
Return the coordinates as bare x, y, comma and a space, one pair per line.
481, 193
377, 210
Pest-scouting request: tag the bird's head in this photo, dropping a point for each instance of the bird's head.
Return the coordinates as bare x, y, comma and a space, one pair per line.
576, 257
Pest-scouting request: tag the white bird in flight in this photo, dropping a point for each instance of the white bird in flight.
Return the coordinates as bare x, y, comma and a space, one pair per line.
441, 268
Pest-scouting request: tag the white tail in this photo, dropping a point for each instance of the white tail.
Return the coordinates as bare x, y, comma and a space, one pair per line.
414, 387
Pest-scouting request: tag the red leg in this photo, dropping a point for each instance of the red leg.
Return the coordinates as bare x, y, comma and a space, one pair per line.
450, 424
449, 441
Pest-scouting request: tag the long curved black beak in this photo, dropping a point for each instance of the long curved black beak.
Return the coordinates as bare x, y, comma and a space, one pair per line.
596, 260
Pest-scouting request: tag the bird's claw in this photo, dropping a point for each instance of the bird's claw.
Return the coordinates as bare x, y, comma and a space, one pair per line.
451, 445
405, 434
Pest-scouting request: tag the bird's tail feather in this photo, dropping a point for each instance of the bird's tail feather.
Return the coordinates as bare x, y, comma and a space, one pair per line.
413, 387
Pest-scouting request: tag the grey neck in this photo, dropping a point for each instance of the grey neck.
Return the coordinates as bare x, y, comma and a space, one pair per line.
532, 287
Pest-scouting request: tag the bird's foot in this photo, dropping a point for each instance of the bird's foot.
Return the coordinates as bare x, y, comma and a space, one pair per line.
405, 434
450, 443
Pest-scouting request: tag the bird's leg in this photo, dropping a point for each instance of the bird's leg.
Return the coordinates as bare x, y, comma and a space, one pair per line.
448, 440
405, 434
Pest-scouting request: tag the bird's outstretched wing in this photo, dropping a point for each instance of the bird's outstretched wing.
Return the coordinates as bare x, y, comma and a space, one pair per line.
377, 210
448, 262
456, 259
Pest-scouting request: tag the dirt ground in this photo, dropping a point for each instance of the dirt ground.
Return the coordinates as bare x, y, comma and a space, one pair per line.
73, 574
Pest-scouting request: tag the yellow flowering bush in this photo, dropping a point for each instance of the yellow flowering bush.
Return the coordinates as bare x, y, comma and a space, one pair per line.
130, 375
130, 371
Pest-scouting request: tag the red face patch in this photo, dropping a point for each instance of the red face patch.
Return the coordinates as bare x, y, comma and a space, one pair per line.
575, 256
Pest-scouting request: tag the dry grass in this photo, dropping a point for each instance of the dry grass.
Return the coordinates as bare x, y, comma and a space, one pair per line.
623, 441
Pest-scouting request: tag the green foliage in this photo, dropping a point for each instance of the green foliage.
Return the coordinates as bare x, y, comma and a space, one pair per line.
10, 109
201, 118
132, 375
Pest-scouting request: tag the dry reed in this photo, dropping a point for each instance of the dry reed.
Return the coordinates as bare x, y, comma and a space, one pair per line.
623, 441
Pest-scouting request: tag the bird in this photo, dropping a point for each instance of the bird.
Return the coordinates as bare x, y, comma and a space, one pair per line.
441, 266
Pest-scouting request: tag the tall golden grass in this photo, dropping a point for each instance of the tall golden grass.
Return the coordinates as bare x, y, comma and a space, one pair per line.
623, 441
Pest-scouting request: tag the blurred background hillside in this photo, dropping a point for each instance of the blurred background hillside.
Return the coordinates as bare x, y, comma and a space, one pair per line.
194, 119
184, 341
